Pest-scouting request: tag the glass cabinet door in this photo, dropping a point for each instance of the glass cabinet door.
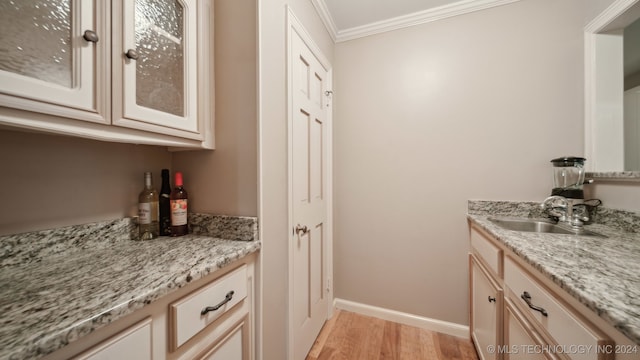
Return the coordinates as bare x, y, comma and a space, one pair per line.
49, 54
158, 61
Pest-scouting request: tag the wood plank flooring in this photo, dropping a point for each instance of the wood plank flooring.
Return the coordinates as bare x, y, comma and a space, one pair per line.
350, 336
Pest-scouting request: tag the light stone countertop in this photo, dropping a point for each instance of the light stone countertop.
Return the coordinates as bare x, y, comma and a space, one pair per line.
601, 273
66, 287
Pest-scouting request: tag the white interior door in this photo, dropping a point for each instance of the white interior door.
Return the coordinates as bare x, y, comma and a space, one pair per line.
308, 181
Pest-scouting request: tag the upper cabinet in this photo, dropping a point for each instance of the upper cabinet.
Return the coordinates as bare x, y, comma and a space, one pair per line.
155, 83
52, 56
135, 71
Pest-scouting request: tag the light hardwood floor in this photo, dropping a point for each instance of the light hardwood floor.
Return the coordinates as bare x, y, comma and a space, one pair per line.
350, 336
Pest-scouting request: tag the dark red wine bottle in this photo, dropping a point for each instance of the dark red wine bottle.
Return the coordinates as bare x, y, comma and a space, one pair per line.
165, 204
178, 201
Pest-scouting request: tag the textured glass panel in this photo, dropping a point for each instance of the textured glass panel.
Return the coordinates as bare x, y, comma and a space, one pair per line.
160, 67
35, 39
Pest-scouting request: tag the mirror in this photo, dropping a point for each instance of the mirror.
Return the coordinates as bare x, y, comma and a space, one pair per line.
612, 83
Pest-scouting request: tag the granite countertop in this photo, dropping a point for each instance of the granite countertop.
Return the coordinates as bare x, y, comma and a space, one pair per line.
56, 286
601, 273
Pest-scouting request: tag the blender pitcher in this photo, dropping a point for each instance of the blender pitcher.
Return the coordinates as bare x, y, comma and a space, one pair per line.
568, 177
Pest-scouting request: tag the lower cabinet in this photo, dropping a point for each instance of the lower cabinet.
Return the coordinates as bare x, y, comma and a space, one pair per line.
521, 341
486, 314
575, 338
211, 318
515, 314
133, 343
214, 321
234, 345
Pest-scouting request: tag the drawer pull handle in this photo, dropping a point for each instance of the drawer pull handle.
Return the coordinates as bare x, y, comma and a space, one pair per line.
227, 298
527, 298
492, 299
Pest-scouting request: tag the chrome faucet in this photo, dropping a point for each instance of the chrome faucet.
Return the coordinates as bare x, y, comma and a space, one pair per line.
566, 215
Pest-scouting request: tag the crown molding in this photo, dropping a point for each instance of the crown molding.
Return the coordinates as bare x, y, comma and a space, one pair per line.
325, 16
417, 18
609, 15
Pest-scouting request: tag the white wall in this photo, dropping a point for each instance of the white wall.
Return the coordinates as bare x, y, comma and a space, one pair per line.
273, 206
470, 107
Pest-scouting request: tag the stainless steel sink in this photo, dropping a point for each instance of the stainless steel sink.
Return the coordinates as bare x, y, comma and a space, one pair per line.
538, 226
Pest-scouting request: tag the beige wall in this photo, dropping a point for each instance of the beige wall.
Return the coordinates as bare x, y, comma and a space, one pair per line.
224, 181
273, 205
470, 107
50, 181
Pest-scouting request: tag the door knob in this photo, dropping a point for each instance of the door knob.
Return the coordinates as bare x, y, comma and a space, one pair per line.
301, 230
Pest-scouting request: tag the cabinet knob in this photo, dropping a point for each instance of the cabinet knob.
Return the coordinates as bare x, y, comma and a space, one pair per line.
132, 54
90, 36
492, 299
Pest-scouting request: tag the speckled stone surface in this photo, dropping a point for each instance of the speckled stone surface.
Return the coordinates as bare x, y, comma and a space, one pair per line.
601, 273
615, 175
58, 285
241, 228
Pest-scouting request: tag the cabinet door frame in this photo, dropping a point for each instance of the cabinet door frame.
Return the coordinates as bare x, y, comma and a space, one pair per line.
87, 98
126, 112
136, 339
499, 298
511, 311
243, 328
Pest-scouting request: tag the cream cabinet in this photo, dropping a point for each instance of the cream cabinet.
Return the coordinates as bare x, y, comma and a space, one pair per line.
233, 346
532, 318
135, 71
552, 318
522, 340
219, 301
54, 57
486, 310
132, 343
211, 318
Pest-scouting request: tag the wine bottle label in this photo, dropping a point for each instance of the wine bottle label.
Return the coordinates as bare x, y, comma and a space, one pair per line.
144, 213
178, 212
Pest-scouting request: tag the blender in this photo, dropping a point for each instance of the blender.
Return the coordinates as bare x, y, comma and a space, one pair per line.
567, 194
568, 177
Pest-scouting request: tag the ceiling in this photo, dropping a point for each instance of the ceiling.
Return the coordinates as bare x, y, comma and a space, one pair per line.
349, 14
350, 19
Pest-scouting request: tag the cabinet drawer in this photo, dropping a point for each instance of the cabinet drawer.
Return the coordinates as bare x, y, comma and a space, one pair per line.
488, 252
194, 312
560, 322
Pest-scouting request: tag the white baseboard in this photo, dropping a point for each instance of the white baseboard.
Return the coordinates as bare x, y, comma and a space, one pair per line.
444, 327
